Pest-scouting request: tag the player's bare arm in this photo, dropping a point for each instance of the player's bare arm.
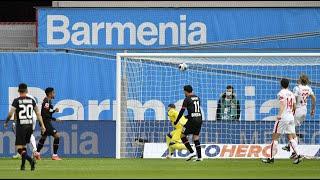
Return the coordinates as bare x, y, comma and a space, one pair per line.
281, 109
313, 104
43, 128
11, 112
180, 115
54, 110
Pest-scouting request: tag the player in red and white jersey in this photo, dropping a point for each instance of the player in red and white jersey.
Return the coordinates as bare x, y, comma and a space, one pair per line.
302, 92
285, 122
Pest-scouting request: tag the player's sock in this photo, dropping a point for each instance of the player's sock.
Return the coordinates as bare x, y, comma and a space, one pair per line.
294, 145
40, 144
23, 159
274, 149
198, 148
168, 139
171, 150
33, 142
55, 145
25, 155
187, 144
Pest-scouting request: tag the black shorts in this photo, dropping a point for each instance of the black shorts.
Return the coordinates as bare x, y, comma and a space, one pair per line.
23, 134
50, 130
193, 126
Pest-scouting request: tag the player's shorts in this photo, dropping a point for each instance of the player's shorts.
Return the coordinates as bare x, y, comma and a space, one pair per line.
300, 115
284, 127
50, 130
23, 134
176, 135
193, 126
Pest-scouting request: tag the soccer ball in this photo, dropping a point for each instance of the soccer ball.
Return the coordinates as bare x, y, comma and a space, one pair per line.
183, 67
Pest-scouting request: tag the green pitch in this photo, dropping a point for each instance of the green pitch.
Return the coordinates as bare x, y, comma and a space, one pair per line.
176, 169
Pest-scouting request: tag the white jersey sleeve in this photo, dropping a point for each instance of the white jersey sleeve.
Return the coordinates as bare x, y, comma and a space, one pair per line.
310, 90
296, 91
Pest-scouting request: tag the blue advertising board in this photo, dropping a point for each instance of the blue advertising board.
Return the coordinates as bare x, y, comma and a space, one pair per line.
84, 85
126, 28
77, 139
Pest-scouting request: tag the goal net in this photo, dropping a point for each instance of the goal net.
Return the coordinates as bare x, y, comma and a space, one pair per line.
148, 82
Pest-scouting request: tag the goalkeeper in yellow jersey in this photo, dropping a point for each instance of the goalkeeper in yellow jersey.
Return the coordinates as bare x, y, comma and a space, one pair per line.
173, 139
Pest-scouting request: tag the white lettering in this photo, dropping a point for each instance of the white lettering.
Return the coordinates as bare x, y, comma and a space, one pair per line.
201, 33
162, 33
85, 33
143, 31
147, 33
51, 29
95, 108
139, 109
76, 106
120, 28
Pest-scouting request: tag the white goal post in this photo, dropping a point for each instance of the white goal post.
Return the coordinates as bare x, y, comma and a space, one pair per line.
137, 74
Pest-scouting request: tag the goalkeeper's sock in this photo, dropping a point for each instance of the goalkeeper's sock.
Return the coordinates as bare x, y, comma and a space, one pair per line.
187, 144
168, 140
171, 150
198, 148
274, 148
294, 145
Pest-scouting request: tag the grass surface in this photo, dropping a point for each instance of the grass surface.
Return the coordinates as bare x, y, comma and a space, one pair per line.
149, 168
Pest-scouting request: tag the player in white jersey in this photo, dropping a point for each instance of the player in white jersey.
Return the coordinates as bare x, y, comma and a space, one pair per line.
302, 92
32, 138
285, 122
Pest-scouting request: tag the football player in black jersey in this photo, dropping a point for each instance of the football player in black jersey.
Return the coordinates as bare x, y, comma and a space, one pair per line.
23, 107
46, 113
193, 126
